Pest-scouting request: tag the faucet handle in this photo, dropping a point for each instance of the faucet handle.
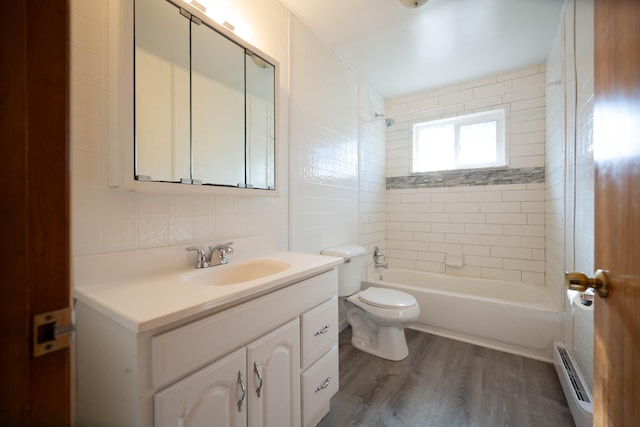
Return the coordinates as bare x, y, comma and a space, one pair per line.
201, 260
229, 248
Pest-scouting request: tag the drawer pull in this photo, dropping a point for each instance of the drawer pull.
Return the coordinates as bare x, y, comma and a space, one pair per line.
324, 385
322, 331
256, 370
242, 392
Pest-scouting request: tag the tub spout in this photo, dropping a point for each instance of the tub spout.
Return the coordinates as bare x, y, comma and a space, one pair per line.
377, 257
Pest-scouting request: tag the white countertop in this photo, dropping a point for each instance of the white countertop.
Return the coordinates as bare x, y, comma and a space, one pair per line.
153, 301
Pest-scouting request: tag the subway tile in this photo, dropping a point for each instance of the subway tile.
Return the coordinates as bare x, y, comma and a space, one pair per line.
448, 228
416, 246
501, 274
511, 241
495, 229
500, 207
478, 250
511, 252
433, 217
416, 226
431, 256
449, 248
403, 254
483, 261
462, 207
524, 230
429, 207
469, 239
524, 265
468, 218
435, 267
506, 218
483, 196
524, 196
429, 237
532, 242
467, 270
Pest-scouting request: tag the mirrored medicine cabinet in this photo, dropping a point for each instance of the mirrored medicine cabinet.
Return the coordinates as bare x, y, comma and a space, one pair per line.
204, 101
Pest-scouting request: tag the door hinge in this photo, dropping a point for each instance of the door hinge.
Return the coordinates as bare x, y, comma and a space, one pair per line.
52, 331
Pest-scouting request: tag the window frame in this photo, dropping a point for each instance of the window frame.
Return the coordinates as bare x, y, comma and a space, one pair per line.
497, 115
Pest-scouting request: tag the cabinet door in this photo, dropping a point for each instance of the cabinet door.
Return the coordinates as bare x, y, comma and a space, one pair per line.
273, 368
213, 396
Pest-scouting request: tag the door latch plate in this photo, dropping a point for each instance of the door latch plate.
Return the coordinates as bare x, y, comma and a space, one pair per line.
52, 331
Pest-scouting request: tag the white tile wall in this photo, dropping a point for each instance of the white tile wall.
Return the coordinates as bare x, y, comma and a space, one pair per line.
496, 230
373, 192
108, 220
323, 146
569, 169
499, 230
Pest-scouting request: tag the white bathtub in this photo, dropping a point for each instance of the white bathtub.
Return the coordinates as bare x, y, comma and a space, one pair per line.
512, 317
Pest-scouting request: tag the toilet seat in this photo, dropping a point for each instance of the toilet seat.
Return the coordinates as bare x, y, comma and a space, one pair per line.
386, 298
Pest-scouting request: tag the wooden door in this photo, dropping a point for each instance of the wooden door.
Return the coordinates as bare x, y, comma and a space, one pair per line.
213, 396
34, 208
617, 209
273, 387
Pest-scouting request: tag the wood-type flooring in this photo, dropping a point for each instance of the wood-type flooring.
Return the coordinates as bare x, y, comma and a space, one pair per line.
448, 383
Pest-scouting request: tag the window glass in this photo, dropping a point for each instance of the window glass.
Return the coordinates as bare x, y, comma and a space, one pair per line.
462, 142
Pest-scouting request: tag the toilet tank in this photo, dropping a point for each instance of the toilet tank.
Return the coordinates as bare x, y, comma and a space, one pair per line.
350, 271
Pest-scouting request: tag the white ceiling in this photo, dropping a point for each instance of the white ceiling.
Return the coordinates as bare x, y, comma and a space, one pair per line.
398, 50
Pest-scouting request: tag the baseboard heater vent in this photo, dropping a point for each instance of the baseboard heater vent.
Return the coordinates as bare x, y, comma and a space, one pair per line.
578, 396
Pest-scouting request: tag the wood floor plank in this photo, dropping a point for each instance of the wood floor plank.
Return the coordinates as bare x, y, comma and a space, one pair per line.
448, 383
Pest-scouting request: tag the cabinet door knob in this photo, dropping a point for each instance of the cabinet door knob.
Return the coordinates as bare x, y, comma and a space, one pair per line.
256, 370
322, 331
581, 282
242, 392
324, 385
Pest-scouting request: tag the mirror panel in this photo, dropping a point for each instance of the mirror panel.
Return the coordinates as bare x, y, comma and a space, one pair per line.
162, 135
260, 122
217, 105
204, 103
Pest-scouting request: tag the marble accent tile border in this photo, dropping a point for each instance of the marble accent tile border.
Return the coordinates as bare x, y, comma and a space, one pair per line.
468, 177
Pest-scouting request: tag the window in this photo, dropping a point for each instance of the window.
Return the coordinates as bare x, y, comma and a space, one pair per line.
463, 142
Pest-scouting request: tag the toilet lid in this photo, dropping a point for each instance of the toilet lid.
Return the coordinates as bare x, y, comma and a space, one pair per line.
386, 298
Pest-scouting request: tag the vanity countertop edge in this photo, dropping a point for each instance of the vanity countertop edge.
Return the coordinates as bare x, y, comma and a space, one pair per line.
152, 302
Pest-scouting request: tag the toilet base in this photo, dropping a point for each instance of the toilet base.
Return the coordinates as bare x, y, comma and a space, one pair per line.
391, 344
387, 342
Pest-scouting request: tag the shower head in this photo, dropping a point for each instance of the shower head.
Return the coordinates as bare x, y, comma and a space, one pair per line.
390, 122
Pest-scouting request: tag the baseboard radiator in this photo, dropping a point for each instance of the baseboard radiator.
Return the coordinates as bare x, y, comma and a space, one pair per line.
577, 394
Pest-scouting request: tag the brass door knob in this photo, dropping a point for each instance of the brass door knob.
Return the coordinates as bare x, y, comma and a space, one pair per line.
581, 282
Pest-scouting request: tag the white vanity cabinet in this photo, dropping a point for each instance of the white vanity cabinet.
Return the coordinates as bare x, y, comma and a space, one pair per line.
260, 381
273, 357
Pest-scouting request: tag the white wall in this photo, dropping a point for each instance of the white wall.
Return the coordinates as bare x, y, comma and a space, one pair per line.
497, 230
323, 146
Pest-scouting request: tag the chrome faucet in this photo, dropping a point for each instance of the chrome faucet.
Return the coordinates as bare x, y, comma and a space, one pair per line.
201, 259
377, 255
217, 255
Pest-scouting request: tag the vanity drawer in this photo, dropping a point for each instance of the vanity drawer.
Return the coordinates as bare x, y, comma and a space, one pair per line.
319, 383
319, 331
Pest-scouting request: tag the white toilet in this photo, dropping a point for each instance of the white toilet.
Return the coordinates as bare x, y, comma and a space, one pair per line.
377, 316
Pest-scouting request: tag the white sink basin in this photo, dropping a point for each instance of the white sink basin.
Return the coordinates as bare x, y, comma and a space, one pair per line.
231, 274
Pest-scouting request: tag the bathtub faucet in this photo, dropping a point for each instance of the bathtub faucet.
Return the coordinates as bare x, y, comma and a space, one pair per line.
377, 256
